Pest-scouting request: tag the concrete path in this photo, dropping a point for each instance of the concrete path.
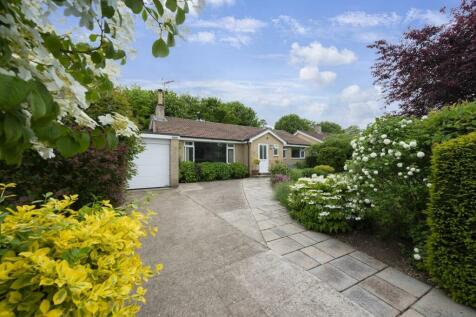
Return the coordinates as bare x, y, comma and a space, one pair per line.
229, 249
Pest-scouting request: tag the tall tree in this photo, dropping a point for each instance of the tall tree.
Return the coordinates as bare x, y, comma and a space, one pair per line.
431, 67
292, 123
330, 127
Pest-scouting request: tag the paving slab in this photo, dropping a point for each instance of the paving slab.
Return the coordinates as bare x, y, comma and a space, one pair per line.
437, 304
269, 235
287, 230
284, 245
370, 302
389, 293
301, 259
334, 247
405, 282
370, 261
283, 220
265, 224
353, 267
316, 236
246, 308
260, 217
411, 313
317, 254
302, 239
333, 276
243, 220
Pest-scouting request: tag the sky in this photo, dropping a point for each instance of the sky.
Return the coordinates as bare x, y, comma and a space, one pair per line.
279, 56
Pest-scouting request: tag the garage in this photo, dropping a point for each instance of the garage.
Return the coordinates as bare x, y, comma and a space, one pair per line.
153, 165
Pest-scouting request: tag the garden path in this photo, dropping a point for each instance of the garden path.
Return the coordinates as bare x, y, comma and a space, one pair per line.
229, 249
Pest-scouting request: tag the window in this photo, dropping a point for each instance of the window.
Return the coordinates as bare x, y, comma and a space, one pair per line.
285, 153
230, 153
276, 150
298, 153
210, 152
189, 154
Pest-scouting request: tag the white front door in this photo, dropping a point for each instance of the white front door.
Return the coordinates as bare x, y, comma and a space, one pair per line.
263, 158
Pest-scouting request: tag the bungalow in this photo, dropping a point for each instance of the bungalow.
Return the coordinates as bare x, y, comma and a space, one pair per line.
170, 140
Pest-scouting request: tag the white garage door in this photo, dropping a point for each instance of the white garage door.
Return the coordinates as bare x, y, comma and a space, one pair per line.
153, 165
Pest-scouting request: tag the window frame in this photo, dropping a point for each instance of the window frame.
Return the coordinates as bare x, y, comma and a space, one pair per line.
302, 154
275, 150
230, 146
188, 145
285, 153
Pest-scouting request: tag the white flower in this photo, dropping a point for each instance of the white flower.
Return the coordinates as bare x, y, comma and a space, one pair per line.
420, 154
400, 173
365, 159
413, 143
400, 164
361, 138
106, 119
357, 218
376, 172
383, 136
412, 169
373, 155
416, 250
375, 189
324, 213
428, 185
382, 154
345, 167
424, 117
398, 154
44, 151
390, 151
417, 257
367, 201
387, 141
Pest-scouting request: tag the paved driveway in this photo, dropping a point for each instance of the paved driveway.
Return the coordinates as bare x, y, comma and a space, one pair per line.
212, 268
229, 249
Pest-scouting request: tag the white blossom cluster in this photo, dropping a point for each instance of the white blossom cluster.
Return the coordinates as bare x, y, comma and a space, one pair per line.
31, 59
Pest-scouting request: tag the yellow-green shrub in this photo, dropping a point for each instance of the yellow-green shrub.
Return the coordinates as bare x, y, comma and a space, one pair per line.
57, 261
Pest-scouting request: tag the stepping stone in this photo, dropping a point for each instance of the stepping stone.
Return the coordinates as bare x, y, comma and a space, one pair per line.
317, 254
302, 239
334, 277
436, 303
299, 258
353, 267
316, 236
389, 293
334, 247
370, 261
370, 302
411, 313
269, 235
405, 282
284, 245
266, 224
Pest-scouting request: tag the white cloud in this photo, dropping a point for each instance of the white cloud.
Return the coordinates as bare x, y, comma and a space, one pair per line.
231, 24
318, 55
312, 73
288, 23
238, 40
430, 17
360, 106
202, 37
219, 3
364, 19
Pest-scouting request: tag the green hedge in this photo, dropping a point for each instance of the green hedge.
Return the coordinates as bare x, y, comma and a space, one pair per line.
279, 168
210, 171
452, 218
93, 175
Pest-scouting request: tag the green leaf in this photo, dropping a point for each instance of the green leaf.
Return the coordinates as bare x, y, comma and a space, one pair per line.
107, 10
13, 128
159, 6
13, 91
135, 5
160, 48
185, 7
111, 140
60, 296
93, 37
67, 146
98, 139
41, 102
21, 282
144, 15
84, 140
180, 17
171, 5
96, 57
170, 40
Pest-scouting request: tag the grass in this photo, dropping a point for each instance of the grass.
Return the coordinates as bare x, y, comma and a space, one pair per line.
281, 192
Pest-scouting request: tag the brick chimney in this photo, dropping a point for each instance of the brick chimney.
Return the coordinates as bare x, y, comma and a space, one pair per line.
317, 128
159, 114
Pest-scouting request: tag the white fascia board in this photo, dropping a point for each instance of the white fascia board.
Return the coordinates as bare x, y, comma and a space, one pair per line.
265, 132
157, 136
309, 136
296, 145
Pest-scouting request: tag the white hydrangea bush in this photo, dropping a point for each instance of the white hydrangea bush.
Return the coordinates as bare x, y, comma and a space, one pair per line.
326, 204
389, 170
